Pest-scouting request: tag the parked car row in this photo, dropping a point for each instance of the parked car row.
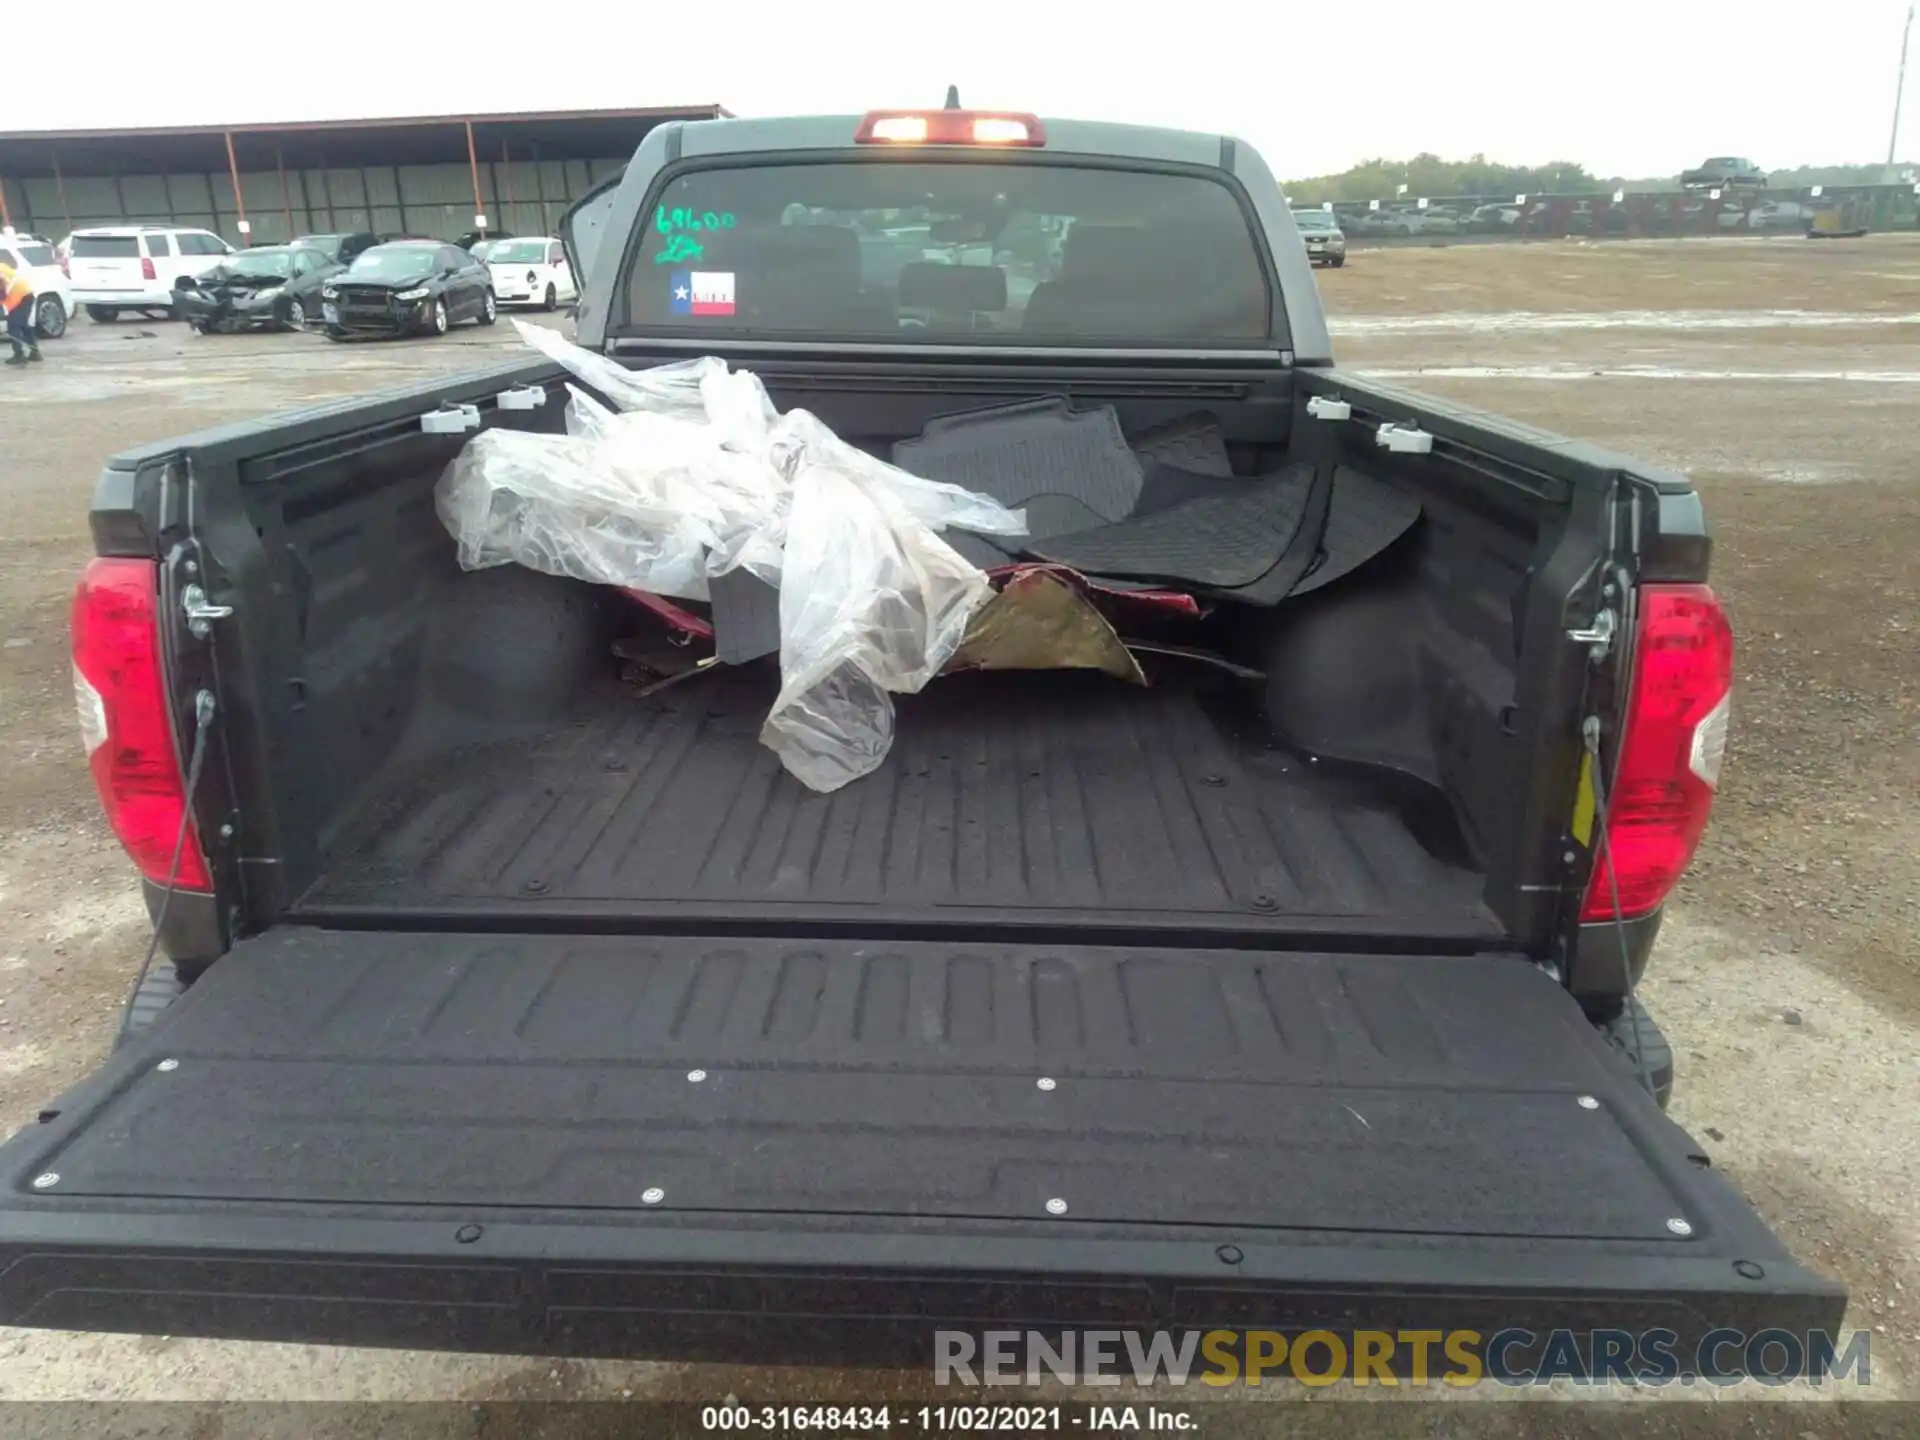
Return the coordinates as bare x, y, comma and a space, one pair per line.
345, 284
1435, 220
1771, 215
396, 287
1680, 213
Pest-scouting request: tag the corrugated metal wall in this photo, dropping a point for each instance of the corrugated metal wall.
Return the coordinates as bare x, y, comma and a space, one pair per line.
523, 197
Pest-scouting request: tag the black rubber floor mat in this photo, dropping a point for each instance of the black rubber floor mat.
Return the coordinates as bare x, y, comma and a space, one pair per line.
1367, 515
1166, 485
1222, 539
1364, 517
1070, 470
1192, 443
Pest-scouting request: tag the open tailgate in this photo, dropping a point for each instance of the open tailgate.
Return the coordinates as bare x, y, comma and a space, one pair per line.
794, 1151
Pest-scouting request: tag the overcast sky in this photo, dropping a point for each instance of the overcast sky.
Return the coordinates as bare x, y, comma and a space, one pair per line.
1632, 87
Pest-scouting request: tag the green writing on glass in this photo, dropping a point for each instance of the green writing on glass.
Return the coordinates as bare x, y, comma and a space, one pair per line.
680, 225
680, 219
680, 248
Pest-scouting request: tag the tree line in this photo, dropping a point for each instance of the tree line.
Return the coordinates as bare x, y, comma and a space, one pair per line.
1428, 174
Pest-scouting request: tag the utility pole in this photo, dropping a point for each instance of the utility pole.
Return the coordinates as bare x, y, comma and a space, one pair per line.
1899, 87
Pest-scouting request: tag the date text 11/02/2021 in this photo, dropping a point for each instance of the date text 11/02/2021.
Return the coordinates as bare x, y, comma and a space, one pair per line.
949, 1419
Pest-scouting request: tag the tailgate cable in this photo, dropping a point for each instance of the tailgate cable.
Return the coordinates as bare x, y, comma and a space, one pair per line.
204, 709
1590, 739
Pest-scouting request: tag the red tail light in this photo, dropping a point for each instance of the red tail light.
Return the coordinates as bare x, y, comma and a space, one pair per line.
1669, 759
65, 268
949, 127
123, 718
147, 272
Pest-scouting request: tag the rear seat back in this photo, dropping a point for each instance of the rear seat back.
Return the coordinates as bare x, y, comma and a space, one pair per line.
1133, 283
953, 295
795, 277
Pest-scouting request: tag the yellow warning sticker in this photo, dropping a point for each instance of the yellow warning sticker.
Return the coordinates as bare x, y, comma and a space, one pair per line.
1583, 804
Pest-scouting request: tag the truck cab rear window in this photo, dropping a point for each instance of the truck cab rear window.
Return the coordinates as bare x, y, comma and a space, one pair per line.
950, 252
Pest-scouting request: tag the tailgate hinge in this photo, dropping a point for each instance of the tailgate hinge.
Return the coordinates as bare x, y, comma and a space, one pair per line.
201, 612
1597, 637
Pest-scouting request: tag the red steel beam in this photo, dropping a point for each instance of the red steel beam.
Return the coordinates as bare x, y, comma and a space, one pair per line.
60, 186
473, 168
503, 186
286, 200
239, 203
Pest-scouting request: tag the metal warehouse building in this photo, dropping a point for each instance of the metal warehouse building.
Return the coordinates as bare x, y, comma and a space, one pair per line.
419, 176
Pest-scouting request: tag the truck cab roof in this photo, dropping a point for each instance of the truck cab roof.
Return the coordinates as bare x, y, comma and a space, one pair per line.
836, 132
1297, 330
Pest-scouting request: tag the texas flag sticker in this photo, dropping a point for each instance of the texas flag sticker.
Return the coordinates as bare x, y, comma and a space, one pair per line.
702, 292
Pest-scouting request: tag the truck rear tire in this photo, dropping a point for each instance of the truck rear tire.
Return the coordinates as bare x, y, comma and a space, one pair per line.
50, 317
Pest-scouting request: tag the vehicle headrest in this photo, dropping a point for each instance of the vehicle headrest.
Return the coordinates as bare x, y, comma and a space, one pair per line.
930, 285
792, 255
1093, 250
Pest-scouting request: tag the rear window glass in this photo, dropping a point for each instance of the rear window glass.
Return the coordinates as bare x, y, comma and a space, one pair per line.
38, 254
394, 262
105, 247
262, 263
935, 251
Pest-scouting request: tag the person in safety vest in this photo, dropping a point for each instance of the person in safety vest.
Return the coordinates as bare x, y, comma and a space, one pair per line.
16, 294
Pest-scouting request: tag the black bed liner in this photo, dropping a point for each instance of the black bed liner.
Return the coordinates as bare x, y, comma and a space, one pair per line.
686, 1145
1029, 800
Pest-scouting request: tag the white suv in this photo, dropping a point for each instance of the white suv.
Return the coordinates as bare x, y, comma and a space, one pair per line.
52, 301
133, 267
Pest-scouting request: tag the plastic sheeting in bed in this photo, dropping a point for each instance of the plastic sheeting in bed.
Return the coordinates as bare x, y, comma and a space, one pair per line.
693, 474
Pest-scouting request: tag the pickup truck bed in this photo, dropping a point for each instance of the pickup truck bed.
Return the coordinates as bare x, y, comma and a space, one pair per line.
1029, 799
532, 1013
497, 1135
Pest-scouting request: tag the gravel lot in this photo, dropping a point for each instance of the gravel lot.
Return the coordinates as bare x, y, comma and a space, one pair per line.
1783, 376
